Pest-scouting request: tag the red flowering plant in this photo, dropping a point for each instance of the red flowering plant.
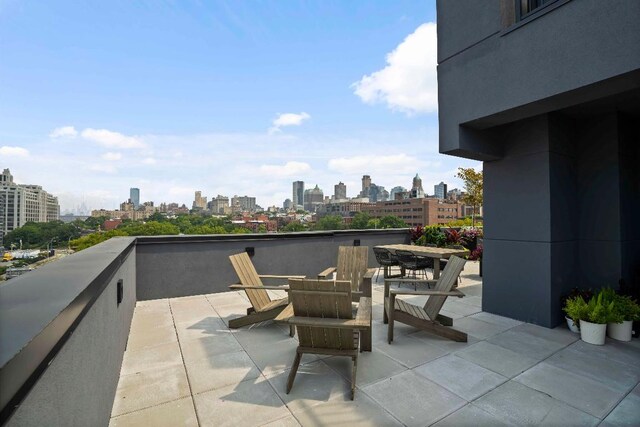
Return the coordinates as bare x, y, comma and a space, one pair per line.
454, 237
476, 254
416, 232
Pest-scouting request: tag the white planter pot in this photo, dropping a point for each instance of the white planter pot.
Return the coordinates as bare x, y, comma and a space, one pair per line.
572, 325
620, 331
592, 333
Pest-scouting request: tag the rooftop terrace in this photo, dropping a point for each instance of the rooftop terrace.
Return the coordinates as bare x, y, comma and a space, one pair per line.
184, 366
134, 332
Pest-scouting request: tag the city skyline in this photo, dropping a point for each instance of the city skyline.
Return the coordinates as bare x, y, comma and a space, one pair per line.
232, 101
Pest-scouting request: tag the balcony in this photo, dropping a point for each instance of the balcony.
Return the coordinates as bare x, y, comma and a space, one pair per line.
158, 352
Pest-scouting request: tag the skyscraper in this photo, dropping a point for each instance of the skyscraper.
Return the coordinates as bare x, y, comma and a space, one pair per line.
298, 194
416, 190
134, 196
366, 183
440, 190
313, 198
340, 191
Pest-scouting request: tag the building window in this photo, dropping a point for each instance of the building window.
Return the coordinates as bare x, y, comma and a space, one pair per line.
525, 8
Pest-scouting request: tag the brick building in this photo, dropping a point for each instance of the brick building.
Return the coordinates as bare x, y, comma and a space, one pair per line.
429, 211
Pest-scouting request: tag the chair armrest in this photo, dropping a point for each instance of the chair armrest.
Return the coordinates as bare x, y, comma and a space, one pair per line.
363, 314
277, 276
453, 293
412, 281
370, 273
326, 272
240, 287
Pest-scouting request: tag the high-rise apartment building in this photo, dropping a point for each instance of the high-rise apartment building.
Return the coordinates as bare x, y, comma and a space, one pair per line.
20, 204
416, 189
398, 193
440, 190
220, 205
313, 198
134, 196
298, 194
340, 191
366, 183
199, 202
243, 204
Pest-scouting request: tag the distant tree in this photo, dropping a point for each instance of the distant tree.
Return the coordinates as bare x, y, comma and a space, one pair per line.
92, 239
94, 222
262, 228
157, 216
205, 229
473, 187
391, 221
360, 221
40, 234
293, 226
151, 228
330, 222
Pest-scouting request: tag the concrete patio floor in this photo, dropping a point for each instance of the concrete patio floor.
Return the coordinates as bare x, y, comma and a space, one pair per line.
184, 367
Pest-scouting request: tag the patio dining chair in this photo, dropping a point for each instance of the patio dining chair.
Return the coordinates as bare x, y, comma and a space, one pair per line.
387, 259
410, 261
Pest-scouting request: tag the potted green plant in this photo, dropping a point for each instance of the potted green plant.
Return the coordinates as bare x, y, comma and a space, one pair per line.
593, 317
573, 323
625, 312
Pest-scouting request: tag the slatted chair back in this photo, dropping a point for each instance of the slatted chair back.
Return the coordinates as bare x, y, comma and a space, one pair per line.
445, 283
322, 299
352, 265
249, 277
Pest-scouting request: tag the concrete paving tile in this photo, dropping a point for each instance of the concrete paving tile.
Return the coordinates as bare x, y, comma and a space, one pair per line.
314, 384
220, 370
615, 375
444, 343
362, 411
410, 351
277, 358
621, 352
372, 366
176, 413
471, 300
576, 390
471, 287
413, 399
498, 359
203, 328
479, 328
460, 308
627, 413
451, 314
264, 335
204, 348
232, 311
561, 336
152, 305
151, 338
527, 344
494, 318
460, 376
250, 403
147, 320
470, 416
228, 298
288, 421
518, 404
149, 388
191, 309
157, 357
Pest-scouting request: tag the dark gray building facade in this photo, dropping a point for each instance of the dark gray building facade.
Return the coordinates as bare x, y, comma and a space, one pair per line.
549, 99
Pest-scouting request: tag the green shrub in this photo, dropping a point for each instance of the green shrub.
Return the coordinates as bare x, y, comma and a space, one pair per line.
595, 311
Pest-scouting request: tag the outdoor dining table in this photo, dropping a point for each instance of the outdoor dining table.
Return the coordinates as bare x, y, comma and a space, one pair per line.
435, 253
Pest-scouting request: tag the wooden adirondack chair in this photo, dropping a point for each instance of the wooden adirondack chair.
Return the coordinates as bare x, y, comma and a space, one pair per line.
428, 317
262, 306
352, 266
324, 318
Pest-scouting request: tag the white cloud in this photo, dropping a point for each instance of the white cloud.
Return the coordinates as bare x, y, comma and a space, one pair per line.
64, 131
372, 164
288, 119
112, 156
110, 169
112, 139
409, 81
288, 169
149, 161
14, 151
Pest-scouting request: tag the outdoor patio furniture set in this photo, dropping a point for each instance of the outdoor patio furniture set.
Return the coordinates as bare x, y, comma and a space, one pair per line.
333, 316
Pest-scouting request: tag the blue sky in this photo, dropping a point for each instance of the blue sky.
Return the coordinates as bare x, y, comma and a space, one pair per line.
223, 97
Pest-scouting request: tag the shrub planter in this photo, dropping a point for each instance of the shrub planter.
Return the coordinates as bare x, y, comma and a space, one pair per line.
572, 325
620, 331
593, 333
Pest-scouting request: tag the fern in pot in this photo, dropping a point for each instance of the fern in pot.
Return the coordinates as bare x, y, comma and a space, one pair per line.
592, 317
625, 312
